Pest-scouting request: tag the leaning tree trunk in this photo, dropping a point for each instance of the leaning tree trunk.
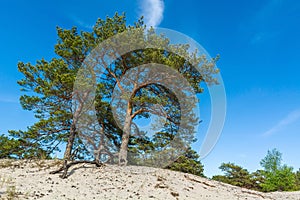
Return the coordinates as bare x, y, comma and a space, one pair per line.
71, 138
125, 137
68, 153
69, 147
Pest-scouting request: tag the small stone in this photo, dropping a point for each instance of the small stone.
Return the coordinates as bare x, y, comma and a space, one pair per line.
174, 194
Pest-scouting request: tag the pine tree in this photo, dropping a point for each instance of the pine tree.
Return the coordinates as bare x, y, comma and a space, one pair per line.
49, 93
237, 176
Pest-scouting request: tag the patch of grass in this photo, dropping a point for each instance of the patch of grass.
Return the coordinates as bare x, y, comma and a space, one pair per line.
56, 162
11, 191
40, 164
4, 181
6, 163
46, 164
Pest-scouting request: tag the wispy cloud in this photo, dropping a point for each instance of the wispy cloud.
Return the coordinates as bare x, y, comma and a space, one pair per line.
259, 24
153, 11
289, 119
80, 22
241, 155
8, 100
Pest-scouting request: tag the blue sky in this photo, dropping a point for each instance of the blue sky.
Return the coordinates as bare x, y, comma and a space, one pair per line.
258, 42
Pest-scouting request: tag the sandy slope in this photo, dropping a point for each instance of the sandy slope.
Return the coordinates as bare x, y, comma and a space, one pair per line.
33, 181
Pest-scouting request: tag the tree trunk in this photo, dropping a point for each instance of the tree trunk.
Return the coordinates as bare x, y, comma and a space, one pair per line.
125, 137
69, 147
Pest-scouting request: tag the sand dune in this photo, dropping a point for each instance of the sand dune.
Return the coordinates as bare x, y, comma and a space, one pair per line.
33, 181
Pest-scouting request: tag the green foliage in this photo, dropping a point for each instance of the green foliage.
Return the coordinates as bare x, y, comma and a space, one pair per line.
237, 176
257, 179
48, 93
282, 179
48, 87
297, 177
278, 177
12, 148
274, 177
9, 147
272, 161
188, 163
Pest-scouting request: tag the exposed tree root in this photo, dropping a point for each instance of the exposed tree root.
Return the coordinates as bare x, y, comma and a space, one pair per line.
67, 165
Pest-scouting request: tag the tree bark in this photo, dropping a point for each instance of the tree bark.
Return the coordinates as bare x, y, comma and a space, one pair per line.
125, 137
71, 138
69, 147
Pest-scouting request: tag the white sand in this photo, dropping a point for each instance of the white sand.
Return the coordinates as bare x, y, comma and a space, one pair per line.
33, 181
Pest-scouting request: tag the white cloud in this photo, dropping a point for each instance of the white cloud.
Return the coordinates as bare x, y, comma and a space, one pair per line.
152, 10
289, 119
